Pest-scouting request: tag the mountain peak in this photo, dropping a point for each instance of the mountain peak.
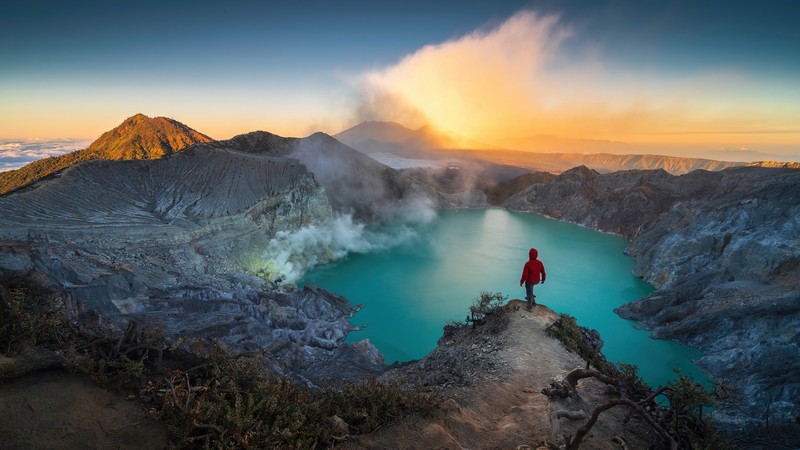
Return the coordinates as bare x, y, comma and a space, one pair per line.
137, 137
142, 137
136, 118
428, 136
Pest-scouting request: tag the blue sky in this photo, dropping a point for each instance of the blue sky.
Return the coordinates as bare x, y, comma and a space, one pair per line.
76, 69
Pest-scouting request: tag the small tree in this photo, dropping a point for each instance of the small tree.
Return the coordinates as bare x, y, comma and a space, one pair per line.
485, 305
680, 425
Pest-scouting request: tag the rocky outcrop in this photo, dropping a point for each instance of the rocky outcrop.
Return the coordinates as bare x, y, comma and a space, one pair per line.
722, 247
490, 379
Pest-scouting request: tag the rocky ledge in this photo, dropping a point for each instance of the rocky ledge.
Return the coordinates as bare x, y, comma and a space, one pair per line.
490, 380
722, 248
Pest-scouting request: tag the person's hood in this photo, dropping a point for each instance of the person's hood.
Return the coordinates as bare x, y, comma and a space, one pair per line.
533, 253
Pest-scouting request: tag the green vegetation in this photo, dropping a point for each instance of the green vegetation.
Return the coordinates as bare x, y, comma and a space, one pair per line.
30, 315
231, 405
37, 170
488, 309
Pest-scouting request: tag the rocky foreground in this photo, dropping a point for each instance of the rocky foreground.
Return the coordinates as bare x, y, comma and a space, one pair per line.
486, 381
490, 382
723, 249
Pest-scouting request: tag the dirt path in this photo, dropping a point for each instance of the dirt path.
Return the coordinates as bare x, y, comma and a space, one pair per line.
510, 411
67, 411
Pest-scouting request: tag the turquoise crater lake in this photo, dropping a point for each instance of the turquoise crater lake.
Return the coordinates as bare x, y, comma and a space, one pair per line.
410, 291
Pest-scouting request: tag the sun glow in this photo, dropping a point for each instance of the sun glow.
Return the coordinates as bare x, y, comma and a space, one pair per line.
519, 80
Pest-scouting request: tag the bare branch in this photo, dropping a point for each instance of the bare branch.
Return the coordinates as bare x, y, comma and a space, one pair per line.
584, 430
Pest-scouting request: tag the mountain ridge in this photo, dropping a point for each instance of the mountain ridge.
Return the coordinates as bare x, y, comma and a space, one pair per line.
137, 137
394, 136
390, 137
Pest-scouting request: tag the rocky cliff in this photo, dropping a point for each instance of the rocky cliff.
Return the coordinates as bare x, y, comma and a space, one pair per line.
176, 242
723, 250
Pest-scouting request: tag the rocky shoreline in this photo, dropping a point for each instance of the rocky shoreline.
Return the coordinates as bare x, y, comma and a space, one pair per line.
722, 249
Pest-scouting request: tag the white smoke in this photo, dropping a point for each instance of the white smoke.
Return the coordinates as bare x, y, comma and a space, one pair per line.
290, 254
358, 188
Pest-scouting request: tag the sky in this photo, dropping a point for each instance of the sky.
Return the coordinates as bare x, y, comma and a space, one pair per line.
661, 76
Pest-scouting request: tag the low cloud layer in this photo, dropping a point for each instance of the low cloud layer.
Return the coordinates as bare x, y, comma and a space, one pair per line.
526, 77
16, 153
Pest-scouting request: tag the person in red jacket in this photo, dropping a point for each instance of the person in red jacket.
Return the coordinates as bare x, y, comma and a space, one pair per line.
532, 273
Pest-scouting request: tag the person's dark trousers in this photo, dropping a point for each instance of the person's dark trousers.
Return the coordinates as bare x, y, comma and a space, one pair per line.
529, 294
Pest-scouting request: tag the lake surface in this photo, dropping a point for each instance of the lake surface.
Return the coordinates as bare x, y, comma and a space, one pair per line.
412, 290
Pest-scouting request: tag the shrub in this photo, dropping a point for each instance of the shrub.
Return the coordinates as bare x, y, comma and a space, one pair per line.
487, 308
29, 314
233, 406
219, 402
487, 303
682, 420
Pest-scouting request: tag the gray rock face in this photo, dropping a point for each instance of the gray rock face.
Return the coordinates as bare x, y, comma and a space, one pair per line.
173, 241
724, 250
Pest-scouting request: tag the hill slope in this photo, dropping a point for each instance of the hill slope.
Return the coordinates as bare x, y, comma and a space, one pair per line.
138, 137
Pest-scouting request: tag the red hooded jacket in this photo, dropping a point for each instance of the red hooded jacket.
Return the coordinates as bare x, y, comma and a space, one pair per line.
533, 268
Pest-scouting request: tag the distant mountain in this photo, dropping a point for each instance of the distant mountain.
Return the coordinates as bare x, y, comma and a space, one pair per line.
375, 137
138, 137
554, 144
542, 153
775, 164
388, 132
602, 162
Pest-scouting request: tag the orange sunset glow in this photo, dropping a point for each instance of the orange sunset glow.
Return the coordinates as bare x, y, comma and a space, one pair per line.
493, 86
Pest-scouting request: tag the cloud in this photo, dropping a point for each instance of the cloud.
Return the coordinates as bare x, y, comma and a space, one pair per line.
15, 153
465, 84
527, 76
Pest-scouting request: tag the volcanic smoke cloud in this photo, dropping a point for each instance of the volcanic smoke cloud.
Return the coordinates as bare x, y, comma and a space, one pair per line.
290, 254
527, 77
352, 185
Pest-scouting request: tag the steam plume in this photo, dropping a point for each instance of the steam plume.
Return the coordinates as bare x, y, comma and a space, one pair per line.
290, 254
522, 78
